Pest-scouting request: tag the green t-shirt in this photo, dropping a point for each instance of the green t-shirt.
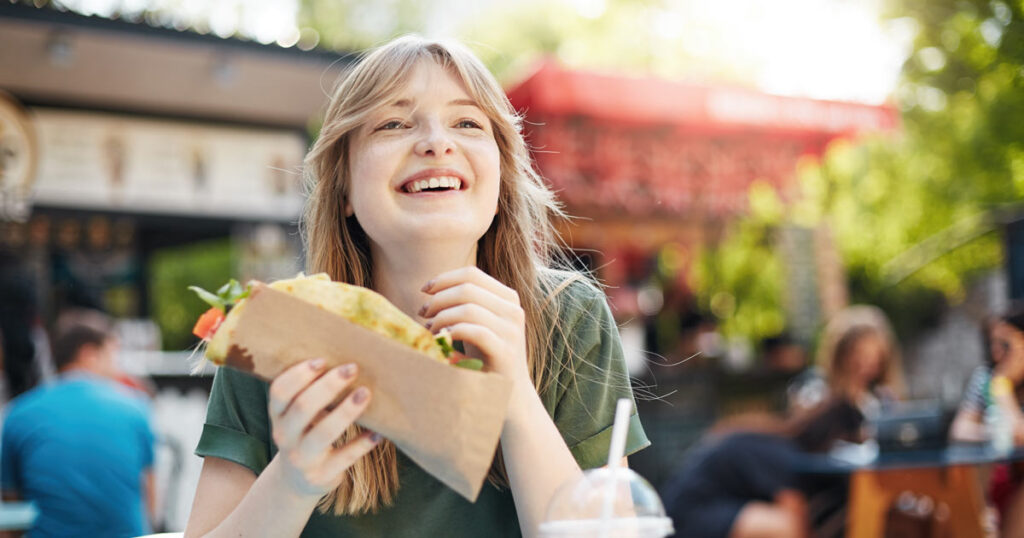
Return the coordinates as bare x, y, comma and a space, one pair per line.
581, 402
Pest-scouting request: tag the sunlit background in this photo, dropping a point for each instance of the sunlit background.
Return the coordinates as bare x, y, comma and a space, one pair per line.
744, 168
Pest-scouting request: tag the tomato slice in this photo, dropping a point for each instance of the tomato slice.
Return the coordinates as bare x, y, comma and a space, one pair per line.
208, 323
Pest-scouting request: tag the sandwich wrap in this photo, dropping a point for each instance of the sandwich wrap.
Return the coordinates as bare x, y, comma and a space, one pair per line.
448, 420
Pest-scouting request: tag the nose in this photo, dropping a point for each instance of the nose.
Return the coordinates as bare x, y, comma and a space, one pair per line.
435, 142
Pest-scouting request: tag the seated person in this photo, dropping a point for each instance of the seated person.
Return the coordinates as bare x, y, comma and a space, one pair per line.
858, 359
746, 484
81, 447
998, 385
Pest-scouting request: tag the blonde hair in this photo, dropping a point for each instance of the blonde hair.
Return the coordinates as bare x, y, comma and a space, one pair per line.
518, 248
846, 327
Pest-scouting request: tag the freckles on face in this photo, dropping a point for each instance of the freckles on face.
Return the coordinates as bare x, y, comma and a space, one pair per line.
425, 165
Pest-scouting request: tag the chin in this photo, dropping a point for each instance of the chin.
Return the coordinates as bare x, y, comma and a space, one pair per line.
442, 231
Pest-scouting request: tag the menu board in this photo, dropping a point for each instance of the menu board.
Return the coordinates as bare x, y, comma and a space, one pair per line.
91, 160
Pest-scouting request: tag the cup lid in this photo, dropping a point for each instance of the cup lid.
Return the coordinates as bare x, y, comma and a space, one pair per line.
632, 527
607, 502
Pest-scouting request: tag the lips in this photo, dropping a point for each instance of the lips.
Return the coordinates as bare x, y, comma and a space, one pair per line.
433, 180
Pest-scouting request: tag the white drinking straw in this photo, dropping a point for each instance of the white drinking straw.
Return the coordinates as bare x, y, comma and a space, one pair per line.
615, 452
619, 430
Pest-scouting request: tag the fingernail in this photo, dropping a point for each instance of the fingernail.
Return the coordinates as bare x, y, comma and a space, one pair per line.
423, 310
347, 371
375, 437
428, 285
360, 395
429, 323
316, 364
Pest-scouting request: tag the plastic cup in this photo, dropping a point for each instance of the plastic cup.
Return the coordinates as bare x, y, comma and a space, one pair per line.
606, 503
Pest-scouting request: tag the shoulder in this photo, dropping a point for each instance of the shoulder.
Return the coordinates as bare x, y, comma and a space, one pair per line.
980, 376
26, 403
570, 295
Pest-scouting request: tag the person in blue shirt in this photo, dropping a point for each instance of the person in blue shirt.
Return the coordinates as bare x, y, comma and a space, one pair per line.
81, 447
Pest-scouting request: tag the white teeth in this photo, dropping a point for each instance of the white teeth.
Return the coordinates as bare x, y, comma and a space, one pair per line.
433, 183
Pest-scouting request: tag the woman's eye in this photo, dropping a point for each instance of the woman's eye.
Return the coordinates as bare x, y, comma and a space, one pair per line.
393, 124
468, 124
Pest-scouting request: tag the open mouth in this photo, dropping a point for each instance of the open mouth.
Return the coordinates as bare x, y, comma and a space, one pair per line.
434, 184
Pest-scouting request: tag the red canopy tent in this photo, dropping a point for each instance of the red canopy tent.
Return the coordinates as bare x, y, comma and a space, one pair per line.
651, 162
613, 144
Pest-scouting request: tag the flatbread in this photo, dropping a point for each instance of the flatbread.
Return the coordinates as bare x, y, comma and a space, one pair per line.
359, 305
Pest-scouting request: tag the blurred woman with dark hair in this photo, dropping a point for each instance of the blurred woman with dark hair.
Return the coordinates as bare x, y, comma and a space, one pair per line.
859, 359
746, 483
997, 388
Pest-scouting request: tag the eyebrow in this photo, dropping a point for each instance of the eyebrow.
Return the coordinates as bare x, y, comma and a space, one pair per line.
407, 103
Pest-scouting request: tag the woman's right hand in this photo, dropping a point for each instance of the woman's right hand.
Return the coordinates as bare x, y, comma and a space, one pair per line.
306, 418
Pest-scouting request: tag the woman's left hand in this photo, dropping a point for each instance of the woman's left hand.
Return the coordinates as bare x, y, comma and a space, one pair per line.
482, 313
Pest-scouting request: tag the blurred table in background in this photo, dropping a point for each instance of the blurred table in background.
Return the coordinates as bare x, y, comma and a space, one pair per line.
950, 477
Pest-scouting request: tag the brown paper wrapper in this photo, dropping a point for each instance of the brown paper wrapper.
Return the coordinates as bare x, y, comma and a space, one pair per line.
446, 419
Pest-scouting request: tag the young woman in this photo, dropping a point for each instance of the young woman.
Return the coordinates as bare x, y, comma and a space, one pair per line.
858, 358
423, 190
999, 385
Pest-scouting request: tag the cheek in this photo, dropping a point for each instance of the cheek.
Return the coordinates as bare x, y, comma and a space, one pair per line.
366, 174
487, 167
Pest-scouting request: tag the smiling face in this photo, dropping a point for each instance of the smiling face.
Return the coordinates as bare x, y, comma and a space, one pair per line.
425, 167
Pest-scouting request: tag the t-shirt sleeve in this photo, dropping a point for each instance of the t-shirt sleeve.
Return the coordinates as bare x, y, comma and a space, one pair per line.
974, 399
592, 378
237, 427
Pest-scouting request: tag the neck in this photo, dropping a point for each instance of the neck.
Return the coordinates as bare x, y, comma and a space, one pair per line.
400, 274
72, 369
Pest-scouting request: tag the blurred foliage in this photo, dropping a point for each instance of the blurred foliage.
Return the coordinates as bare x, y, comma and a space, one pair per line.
352, 25
631, 37
643, 37
174, 308
739, 280
911, 212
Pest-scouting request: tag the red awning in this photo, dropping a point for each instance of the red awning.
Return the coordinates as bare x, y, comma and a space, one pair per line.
632, 146
553, 90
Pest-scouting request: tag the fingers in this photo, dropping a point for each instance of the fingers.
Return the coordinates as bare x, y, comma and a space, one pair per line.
470, 293
479, 336
343, 458
472, 275
468, 313
309, 403
289, 384
331, 426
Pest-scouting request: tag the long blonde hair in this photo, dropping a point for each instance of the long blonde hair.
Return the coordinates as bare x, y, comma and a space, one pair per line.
517, 249
843, 330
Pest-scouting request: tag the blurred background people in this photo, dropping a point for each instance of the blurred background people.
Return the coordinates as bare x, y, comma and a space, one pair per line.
81, 448
992, 399
999, 382
782, 355
747, 483
858, 358
24, 345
